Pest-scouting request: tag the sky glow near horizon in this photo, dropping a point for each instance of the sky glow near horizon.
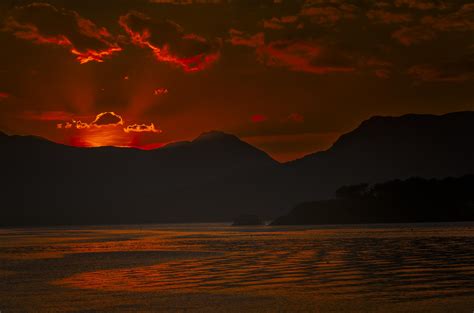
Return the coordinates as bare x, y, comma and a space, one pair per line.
286, 76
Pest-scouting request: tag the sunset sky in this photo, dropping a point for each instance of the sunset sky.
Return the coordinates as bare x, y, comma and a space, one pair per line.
288, 76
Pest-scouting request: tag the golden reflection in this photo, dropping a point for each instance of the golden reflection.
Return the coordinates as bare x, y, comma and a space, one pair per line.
327, 262
386, 264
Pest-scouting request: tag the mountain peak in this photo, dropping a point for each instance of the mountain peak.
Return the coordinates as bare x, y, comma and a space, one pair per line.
410, 128
215, 135
409, 119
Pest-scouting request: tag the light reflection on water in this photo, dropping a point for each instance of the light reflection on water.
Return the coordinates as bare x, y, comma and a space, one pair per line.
408, 264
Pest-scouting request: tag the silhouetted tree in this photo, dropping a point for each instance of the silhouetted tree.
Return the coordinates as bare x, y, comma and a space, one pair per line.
412, 200
352, 192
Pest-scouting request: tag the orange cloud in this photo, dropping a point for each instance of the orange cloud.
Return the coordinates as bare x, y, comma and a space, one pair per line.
42, 23
305, 56
160, 91
73, 124
141, 128
91, 55
107, 119
239, 38
169, 43
65, 125
101, 120
279, 22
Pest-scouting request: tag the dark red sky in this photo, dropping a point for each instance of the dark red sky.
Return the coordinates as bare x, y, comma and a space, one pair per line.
286, 76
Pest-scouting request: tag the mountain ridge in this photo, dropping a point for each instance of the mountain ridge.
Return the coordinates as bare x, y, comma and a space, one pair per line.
219, 135
217, 176
377, 119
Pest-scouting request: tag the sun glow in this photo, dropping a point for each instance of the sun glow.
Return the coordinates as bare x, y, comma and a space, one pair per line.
105, 136
107, 129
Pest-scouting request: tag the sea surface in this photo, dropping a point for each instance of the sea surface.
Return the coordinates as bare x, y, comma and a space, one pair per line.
220, 268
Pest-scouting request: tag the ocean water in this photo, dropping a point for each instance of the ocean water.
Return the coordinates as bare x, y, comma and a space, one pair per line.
220, 268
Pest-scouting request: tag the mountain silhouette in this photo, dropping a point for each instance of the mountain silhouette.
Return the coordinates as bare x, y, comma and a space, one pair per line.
48, 183
217, 176
216, 149
384, 148
398, 201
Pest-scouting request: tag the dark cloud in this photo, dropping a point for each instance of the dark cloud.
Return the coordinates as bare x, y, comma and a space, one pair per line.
379, 67
387, 17
459, 20
455, 71
107, 118
210, 2
170, 43
305, 56
422, 4
332, 63
382, 73
280, 22
239, 38
328, 12
275, 127
414, 34
43, 23
188, 2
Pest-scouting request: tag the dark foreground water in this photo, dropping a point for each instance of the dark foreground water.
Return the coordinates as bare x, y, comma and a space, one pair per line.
219, 268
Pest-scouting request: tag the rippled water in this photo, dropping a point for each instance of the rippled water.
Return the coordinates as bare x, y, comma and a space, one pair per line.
203, 268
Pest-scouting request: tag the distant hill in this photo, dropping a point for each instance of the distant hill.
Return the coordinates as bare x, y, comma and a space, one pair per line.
384, 148
217, 176
48, 183
397, 201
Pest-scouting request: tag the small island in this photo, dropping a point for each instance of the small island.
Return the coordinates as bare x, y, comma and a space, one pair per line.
247, 220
